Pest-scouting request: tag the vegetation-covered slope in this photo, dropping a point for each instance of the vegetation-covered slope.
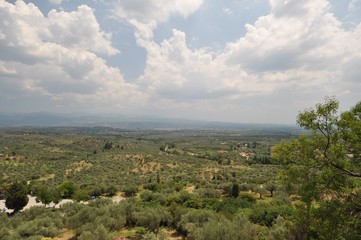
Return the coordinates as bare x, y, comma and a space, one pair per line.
185, 183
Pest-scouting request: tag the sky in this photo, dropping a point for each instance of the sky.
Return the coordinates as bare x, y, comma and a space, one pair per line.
246, 61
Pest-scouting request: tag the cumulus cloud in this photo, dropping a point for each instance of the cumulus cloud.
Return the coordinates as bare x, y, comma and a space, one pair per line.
312, 38
175, 71
146, 11
79, 30
299, 50
299, 47
56, 55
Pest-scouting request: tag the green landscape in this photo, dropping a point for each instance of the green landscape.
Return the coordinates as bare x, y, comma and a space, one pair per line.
180, 120
272, 183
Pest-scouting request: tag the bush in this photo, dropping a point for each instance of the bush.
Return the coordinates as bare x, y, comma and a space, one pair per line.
67, 189
151, 186
248, 197
100, 212
217, 230
81, 195
147, 196
208, 193
195, 219
108, 145
153, 218
130, 190
266, 214
34, 223
4, 233
231, 205
111, 190
99, 233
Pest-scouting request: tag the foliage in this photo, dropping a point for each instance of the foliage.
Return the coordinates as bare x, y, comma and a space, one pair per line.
153, 218
208, 193
266, 213
67, 189
186, 188
108, 145
46, 195
195, 219
81, 195
324, 169
224, 229
271, 187
97, 218
231, 206
130, 190
235, 190
17, 196
34, 222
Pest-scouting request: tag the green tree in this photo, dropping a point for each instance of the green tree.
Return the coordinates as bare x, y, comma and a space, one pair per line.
271, 187
44, 194
81, 195
324, 168
111, 190
235, 190
130, 190
260, 190
17, 196
153, 218
108, 145
67, 189
195, 219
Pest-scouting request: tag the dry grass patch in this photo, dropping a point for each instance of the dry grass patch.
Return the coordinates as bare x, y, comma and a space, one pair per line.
77, 167
66, 234
190, 189
241, 167
47, 177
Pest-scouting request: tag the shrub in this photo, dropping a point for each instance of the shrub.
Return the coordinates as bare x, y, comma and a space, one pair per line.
266, 214
81, 195
208, 193
153, 218
130, 190
67, 189
231, 205
195, 219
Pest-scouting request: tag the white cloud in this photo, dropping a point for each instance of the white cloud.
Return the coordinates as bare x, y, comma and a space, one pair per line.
311, 39
25, 26
227, 11
305, 51
79, 30
298, 52
155, 10
297, 9
56, 56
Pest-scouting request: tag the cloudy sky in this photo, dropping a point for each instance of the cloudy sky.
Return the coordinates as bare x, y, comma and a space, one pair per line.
245, 61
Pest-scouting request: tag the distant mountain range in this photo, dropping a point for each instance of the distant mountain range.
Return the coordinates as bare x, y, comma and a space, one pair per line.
46, 119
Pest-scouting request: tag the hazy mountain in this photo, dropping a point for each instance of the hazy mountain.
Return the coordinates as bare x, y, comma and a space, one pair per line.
125, 122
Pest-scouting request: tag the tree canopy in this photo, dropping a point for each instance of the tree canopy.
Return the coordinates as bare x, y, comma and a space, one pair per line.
324, 169
16, 196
